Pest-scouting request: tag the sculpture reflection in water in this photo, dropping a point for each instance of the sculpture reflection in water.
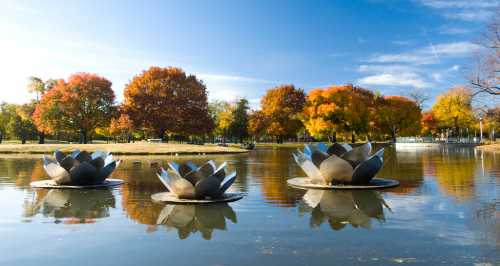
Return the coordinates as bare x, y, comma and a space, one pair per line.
189, 219
344, 207
71, 206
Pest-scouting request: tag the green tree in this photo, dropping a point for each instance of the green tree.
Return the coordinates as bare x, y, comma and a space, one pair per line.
239, 126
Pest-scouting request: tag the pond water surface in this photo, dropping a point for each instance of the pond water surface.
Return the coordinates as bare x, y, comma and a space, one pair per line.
444, 213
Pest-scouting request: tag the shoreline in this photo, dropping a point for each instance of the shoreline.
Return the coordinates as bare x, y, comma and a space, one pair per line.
123, 149
494, 147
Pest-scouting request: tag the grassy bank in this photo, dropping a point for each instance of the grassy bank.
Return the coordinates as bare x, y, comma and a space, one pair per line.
493, 147
122, 148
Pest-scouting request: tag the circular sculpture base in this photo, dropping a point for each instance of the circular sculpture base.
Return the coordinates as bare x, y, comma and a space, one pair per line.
110, 182
375, 183
169, 197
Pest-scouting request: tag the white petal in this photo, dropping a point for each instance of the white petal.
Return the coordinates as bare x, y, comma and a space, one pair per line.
180, 186
308, 167
337, 169
57, 173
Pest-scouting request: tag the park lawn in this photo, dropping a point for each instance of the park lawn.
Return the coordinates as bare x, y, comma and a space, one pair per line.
494, 147
140, 148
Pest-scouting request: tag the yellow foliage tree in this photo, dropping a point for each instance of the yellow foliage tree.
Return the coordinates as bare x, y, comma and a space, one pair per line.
453, 109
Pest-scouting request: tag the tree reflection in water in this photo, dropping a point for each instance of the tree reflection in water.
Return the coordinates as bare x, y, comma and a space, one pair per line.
189, 219
70, 205
340, 208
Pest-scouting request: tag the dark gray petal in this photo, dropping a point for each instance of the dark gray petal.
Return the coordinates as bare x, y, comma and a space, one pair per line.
96, 154
321, 146
207, 187
98, 163
75, 153
67, 162
358, 154
220, 172
227, 182
59, 155
184, 169
318, 157
83, 156
366, 170
83, 174
207, 169
104, 172
338, 149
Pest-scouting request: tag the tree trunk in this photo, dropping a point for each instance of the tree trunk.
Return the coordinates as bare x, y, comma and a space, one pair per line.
23, 141
41, 137
353, 137
83, 136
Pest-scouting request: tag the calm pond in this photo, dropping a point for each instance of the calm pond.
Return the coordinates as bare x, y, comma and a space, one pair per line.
445, 212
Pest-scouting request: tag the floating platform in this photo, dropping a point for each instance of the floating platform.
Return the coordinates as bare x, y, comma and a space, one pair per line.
375, 183
110, 182
169, 197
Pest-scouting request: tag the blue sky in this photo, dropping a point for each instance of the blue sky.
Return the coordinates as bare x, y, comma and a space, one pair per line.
241, 48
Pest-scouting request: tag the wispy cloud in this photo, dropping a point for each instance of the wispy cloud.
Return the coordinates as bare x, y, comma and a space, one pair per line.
219, 77
429, 54
468, 10
408, 79
451, 30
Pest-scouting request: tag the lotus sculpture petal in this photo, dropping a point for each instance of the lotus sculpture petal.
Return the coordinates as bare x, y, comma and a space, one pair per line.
189, 181
79, 168
339, 163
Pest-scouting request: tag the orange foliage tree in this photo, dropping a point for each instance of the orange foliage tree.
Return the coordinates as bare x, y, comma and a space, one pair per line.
335, 109
429, 124
281, 107
257, 124
81, 104
397, 115
166, 100
121, 127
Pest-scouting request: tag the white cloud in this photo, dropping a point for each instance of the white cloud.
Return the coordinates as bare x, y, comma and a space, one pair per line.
429, 54
449, 30
399, 80
468, 10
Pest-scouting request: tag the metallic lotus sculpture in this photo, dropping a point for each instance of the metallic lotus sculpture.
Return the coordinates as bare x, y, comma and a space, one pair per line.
188, 181
342, 207
189, 219
80, 168
339, 163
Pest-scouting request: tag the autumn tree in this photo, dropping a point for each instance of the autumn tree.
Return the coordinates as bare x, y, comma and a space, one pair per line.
491, 121
121, 127
48, 115
429, 124
39, 87
281, 106
397, 116
335, 109
257, 124
485, 77
82, 104
166, 100
21, 124
453, 109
